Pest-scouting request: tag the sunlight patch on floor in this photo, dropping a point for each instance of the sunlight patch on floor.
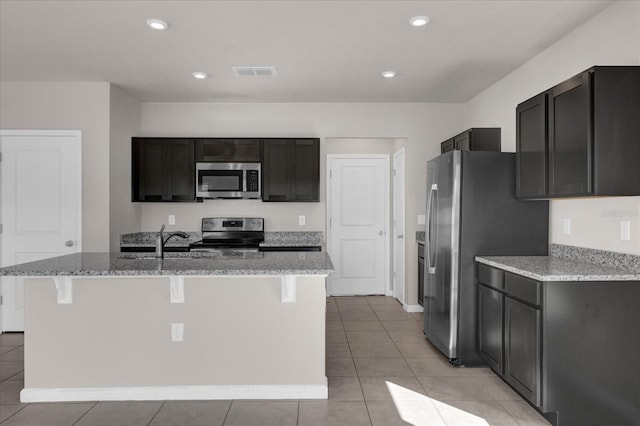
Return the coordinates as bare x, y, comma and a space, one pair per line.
420, 410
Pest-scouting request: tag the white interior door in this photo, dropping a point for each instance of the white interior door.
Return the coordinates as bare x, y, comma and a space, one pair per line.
358, 207
398, 226
41, 205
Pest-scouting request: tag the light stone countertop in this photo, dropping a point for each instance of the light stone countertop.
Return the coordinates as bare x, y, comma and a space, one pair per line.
185, 264
548, 268
292, 239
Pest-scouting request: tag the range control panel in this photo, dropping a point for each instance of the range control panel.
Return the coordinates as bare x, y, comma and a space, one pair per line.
213, 224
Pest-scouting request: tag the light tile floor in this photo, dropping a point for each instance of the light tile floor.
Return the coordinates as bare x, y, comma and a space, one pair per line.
381, 371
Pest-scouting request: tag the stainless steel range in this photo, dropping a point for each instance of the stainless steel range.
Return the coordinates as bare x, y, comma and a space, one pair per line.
239, 234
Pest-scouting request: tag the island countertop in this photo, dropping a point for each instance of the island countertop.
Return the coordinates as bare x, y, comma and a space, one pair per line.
184, 264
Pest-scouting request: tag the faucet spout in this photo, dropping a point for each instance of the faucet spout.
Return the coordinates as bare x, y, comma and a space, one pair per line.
161, 241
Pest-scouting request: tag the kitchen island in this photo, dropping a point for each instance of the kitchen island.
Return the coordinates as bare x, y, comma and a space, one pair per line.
116, 326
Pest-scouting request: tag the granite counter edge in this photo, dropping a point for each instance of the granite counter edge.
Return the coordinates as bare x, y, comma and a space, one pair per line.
555, 277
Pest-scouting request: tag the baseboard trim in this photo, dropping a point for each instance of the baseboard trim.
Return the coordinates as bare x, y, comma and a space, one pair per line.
162, 393
412, 308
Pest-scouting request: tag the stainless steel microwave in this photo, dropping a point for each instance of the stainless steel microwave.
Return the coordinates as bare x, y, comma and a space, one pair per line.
228, 180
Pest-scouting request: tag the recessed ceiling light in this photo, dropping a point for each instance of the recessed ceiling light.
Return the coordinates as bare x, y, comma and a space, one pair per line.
157, 24
419, 21
389, 74
200, 75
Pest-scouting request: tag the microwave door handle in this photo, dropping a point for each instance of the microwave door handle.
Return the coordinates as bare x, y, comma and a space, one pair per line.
430, 228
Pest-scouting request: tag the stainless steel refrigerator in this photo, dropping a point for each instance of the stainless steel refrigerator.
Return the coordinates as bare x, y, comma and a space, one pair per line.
471, 210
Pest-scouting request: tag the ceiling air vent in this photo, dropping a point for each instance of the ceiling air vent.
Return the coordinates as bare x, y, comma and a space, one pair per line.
254, 71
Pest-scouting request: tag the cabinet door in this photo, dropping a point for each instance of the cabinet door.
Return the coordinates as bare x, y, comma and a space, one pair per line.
522, 339
531, 147
148, 183
305, 185
179, 165
291, 170
448, 145
570, 138
246, 150
490, 330
276, 164
421, 274
162, 169
227, 150
463, 141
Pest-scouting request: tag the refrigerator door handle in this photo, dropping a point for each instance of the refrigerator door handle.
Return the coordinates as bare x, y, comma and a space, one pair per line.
431, 254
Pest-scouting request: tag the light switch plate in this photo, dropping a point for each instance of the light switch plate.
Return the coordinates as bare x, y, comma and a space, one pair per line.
421, 219
625, 230
172, 219
566, 226
302, 220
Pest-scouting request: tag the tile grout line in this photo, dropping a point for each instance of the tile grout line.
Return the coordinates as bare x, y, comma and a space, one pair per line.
21, 408
156, 413
85, 413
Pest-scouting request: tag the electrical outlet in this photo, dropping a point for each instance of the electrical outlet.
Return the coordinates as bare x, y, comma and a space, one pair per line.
177, 331
625, 230
302, 220
566, 226
172, 219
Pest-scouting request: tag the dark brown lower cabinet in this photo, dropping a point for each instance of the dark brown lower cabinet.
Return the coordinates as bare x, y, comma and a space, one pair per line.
490, 326
522, 339
569, 346
421, 274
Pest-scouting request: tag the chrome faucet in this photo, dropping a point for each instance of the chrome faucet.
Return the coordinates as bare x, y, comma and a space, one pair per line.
161, 241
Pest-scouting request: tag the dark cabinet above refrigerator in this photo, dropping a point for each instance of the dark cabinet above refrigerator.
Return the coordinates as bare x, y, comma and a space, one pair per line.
579, 138
474, 139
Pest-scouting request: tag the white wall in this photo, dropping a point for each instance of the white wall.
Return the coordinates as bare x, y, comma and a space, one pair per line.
610, 38
74, 106
423, 126
124, 122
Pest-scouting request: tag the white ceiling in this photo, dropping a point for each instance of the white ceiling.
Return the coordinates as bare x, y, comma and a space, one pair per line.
324, 51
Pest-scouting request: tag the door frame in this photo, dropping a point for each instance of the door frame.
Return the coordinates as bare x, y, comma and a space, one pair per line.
77, 135
387, 210
399, 204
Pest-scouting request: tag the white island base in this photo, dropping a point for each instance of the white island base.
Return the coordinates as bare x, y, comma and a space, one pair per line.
244, 338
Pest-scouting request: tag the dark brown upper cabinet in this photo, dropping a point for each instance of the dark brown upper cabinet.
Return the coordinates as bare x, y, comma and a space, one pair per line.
291, 170
580, 138
163, 169
237, 150
531, 149
474, 139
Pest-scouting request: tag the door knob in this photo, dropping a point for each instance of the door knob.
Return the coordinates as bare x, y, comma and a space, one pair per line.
69, 243
381, 233
400, 236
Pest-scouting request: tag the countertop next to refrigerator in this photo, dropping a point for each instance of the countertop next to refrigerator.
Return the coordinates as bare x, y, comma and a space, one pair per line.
568, 263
